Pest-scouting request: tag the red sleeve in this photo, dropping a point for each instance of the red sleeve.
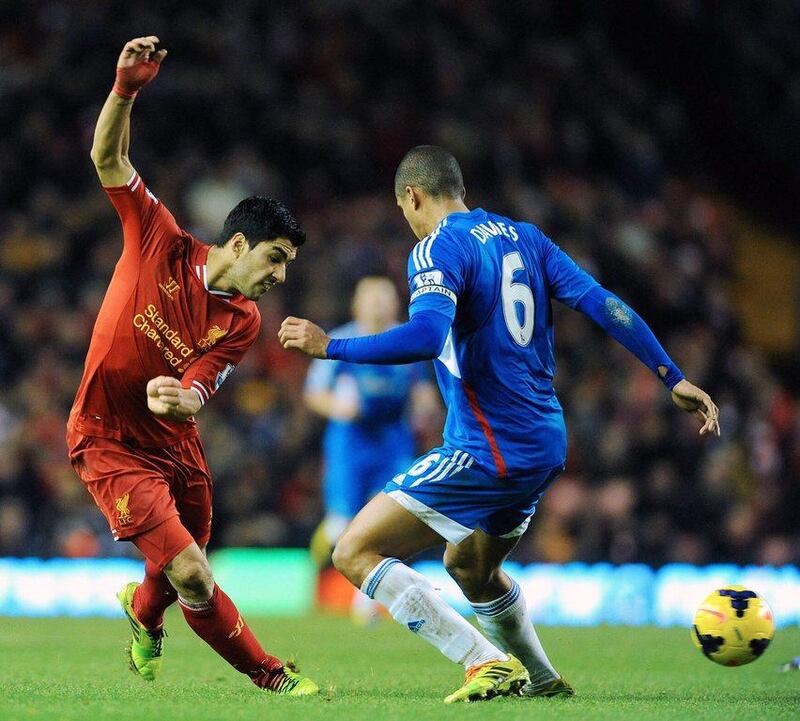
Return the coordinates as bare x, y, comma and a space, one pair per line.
149, 228
211, 369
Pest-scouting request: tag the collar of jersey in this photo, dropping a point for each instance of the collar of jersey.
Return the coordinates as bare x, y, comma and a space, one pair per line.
459, 213
201, 270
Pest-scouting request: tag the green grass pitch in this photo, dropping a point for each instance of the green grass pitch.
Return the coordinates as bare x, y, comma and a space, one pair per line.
73, 670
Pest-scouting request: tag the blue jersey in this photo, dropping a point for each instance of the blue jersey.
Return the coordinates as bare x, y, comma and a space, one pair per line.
496, 369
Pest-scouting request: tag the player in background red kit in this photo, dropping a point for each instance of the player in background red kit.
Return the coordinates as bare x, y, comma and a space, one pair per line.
176, 319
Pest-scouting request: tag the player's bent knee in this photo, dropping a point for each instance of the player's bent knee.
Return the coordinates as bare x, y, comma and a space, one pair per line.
191, 576
457, 572
196, 581
343, 555
470, 579
352, 560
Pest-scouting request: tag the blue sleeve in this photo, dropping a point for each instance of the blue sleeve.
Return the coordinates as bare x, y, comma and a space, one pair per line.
437, 270
568, 281
623, 324
422, 338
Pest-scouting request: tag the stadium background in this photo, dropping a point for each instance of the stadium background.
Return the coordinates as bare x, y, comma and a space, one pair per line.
658, 146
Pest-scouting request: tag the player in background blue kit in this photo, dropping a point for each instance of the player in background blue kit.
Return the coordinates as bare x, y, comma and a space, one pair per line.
481, 287
369, 435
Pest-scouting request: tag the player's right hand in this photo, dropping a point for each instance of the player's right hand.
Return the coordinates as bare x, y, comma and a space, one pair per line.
696, 401
304, 335
167, 398
137, 65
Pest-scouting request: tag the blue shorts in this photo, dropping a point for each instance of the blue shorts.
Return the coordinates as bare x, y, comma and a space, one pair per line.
450, 494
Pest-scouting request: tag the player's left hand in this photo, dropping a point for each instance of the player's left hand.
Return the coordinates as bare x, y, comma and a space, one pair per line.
305, 336
694, 400
138, 64
167, 398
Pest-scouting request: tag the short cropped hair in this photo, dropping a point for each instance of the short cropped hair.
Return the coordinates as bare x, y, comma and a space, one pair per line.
259, 219
431, 168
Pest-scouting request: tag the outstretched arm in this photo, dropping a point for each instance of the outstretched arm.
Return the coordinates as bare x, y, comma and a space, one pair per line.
623, 324
138, 64
421, 338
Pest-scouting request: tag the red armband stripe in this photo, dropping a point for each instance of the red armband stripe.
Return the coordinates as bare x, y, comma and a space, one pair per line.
204, 393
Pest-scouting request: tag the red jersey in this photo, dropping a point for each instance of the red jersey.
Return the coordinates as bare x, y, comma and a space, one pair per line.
158, 318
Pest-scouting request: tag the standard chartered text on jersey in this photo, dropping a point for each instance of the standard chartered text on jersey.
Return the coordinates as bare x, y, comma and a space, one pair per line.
163, 336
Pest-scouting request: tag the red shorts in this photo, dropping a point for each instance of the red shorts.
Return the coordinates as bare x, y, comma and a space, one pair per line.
137, 489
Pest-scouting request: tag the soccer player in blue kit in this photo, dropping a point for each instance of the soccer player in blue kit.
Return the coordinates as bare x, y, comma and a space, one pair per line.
481, 287
368, 437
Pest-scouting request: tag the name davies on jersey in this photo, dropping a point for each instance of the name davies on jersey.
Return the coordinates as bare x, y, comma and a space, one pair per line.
159, 331
484, 231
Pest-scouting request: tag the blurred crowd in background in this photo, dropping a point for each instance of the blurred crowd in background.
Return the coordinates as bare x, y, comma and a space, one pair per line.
316, 103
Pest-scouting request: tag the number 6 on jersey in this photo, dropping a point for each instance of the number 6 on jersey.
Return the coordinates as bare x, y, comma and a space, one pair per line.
512, 294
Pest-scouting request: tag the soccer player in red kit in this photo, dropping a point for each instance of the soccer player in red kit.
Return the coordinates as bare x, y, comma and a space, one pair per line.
177, 317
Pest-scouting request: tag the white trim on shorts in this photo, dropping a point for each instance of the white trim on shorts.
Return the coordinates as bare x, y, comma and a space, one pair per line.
447, 528
519, 530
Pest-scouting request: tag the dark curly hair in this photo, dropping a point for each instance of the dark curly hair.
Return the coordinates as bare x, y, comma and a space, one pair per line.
259, 219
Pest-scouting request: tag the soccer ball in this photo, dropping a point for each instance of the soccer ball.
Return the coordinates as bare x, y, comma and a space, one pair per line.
733, 626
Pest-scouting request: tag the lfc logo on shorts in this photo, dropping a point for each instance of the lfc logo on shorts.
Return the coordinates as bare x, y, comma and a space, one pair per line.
213, 335
123, 512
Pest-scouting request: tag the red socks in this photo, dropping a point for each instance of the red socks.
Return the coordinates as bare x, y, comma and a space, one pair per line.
218, 623
153, 597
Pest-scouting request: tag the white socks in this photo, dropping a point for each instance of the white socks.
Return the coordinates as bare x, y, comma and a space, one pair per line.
414, 603
505, 622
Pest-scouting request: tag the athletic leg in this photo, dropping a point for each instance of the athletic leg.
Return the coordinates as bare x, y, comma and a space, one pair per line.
153, 596
210, 613
213, 616
370, 554
498, 602
130, 489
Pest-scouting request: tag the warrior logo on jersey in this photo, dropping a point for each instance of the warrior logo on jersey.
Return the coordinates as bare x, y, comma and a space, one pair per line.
123, 512
170, 287
213, 335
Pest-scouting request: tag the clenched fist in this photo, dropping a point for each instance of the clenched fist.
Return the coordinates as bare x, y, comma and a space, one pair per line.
305, 336
167, 398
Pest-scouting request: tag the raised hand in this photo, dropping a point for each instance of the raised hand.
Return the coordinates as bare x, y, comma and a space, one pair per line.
696, 401
137, 65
